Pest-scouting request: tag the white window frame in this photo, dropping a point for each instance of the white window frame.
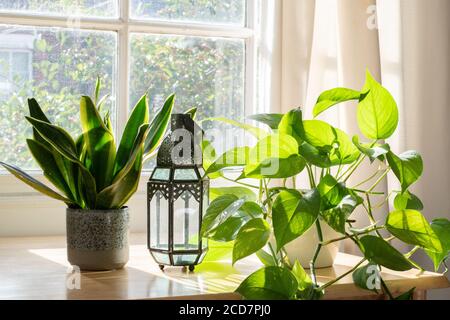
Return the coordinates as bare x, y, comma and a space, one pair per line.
15, 192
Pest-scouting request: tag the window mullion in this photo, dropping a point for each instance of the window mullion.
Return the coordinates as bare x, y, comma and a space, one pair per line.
123, 68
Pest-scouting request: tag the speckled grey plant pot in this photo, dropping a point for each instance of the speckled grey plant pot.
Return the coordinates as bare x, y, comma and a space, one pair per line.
97, 240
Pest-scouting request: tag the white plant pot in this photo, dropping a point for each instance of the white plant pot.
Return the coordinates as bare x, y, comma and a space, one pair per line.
304, 247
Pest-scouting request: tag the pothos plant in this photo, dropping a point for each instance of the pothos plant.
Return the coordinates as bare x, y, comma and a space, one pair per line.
284, 211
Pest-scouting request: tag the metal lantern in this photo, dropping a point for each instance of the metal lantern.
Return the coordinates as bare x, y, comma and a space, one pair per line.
178, 195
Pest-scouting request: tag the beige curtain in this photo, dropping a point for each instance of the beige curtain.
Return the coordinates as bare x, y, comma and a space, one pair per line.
321, 44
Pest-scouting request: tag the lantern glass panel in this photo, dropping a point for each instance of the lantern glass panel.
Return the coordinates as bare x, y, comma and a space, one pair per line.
161, 174
185, 175
184, 259
186, 222
205, 207
161, 258
159, 222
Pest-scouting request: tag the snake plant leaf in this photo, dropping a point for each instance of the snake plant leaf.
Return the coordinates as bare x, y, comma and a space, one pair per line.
192, 112
117, 194
254, 131
66, 167
100, 143
108, 123
57, 137
411, 227
407, 167
375, 152
126, 181
134, 153
269, 283
272, 120
252, 237
293, 214
138, 117
35, 184
97, 90
158, 127
292, 124
102, 102
36, 110
333, 97
382, 253
377, 111
44, 157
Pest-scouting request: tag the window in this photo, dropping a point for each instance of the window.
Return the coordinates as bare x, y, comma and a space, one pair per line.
53, 50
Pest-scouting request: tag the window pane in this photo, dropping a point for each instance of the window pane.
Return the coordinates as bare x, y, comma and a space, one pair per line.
207, 73
92, 8
203, 72
210, 11
56, 67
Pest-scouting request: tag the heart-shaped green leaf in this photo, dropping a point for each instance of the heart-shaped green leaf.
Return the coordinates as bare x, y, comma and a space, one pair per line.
377, 111
367, 277
220, 210
330, 141
331, 192
333, 97
255, 131
292, 125
373, 152
252, 237
441, 228
407, 200
275, 156
227, 231
411, 227
337, 217
407, 167
236, 157
293, 214
240, 192
272, 120
270, 283
382, 253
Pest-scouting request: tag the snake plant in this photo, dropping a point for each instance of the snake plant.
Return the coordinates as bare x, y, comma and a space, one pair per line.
90, 172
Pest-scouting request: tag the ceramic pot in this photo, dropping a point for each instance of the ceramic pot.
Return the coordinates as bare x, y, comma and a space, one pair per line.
97, 240
304, 247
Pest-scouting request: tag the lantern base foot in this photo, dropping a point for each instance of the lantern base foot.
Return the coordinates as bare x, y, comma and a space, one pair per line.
161, 267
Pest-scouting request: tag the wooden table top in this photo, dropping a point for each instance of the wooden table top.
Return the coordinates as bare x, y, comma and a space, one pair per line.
37, 268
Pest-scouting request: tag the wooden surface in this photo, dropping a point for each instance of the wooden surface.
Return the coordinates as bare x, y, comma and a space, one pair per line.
36, 268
